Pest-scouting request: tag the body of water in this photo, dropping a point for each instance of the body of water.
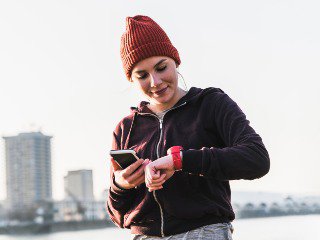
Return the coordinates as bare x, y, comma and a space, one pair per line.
273, 228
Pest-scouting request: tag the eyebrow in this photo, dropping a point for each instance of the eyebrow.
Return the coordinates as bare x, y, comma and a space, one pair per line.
161, 61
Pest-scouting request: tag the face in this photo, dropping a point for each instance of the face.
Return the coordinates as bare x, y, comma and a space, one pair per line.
157, 78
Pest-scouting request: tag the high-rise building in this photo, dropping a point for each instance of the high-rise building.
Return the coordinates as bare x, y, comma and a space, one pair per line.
28, 169
78, 185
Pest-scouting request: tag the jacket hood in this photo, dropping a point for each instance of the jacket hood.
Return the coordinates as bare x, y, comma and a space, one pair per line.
194, 94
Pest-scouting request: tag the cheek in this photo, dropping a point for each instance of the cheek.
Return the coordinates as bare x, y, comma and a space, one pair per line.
171, 78
144, 87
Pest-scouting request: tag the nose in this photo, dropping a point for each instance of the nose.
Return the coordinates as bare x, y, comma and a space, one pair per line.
155, 80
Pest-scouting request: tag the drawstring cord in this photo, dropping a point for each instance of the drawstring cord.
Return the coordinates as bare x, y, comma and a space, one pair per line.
127, 140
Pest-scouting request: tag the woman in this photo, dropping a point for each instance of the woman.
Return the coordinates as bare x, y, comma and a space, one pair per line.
196, 141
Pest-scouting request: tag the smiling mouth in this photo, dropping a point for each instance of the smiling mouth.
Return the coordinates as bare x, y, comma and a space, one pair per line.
161, 91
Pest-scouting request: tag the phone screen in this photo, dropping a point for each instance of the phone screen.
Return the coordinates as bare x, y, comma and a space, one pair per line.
124, 158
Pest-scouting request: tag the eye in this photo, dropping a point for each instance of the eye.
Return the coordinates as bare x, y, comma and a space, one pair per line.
143, 76
162, 68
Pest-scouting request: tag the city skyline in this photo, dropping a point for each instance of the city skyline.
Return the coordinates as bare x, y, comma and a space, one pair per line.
61, 72
28, 170
28, 158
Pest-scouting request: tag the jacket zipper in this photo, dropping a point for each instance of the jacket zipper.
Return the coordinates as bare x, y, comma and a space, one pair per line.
158, 156
158, 145
154, 192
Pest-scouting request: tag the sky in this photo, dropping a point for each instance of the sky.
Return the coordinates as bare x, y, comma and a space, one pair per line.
61, 73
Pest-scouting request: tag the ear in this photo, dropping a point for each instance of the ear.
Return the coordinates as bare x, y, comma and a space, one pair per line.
177, 68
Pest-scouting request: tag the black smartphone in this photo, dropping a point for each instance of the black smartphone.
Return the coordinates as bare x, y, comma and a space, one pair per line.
124, 158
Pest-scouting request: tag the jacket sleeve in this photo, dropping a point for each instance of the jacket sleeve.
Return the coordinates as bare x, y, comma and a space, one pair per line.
244, 157
119, 200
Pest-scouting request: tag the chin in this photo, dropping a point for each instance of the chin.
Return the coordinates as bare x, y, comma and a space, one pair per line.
163, 100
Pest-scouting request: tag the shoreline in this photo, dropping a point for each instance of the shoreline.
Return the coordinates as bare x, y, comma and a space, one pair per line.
34, 229
53, 227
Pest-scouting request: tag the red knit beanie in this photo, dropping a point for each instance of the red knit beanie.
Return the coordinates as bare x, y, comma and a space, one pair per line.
144, 38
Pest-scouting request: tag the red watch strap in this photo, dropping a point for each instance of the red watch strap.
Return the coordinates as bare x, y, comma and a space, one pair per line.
176, 157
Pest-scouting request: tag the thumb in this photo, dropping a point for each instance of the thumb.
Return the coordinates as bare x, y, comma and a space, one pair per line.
115, 165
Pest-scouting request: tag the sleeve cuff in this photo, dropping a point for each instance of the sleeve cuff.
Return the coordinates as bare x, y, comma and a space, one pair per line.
192, 161
119, 190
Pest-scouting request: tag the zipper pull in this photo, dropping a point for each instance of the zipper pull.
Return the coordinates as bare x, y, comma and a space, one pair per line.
160, 123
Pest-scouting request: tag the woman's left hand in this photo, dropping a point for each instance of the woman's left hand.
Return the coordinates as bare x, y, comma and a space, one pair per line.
158, 171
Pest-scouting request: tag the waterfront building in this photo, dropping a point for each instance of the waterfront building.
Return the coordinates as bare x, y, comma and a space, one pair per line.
28, 170
104, 195
70, 210
2, 212
78, 185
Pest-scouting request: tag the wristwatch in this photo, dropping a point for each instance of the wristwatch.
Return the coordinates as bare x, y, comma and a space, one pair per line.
175, 151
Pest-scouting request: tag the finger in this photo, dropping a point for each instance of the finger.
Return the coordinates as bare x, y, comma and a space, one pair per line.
150, 185
130, 169
155, 185
146, 174
146, 162
137, 174
149, 175
160, 179
153, 189
152, 173
148, 178
147, 171
157, 175
139, 181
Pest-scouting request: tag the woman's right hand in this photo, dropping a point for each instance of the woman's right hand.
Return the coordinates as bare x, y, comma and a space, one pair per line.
131, 176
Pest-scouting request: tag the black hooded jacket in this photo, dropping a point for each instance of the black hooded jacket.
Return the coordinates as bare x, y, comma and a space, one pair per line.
219, 145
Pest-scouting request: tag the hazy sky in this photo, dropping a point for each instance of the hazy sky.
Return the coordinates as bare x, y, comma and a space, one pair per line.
60, 71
